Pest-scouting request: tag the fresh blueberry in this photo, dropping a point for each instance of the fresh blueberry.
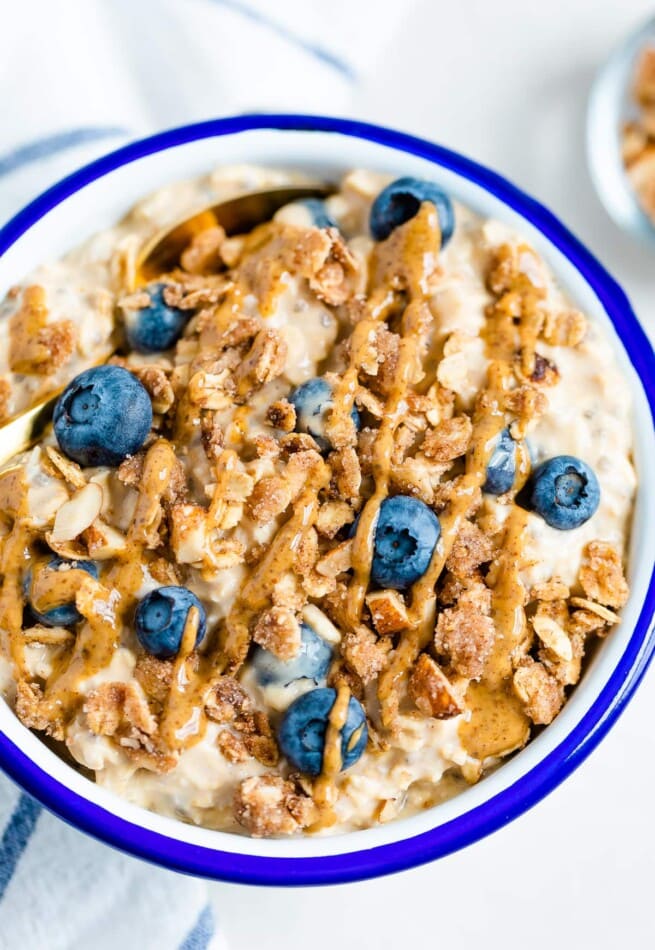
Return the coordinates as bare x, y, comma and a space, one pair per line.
319, 213
102, 416
312, 400
157, 327
564, 491
501, 470
406, 534
160, 619
312, 661
401, 200
65, 614
302, 731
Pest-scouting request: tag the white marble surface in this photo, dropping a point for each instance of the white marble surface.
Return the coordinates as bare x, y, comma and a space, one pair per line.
506, 83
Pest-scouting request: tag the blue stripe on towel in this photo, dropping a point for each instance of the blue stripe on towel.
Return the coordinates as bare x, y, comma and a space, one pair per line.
318, 52
52, 145
16, 836
202, 932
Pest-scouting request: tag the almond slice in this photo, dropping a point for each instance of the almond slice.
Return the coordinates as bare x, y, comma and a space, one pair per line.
70, 471
104, 541
76, 515
553, 636
321, 624
603, 612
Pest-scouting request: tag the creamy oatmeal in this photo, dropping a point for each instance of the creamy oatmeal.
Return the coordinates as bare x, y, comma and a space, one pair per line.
332, 534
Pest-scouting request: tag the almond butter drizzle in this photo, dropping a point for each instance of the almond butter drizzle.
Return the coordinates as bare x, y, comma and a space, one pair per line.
503, 339
280, 556
53, 588
14, 562
395, 409
183, 722
93, 649
104, 604
324, 791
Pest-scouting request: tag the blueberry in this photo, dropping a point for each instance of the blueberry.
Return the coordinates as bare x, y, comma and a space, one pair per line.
312, 661
157, 327
501, 470
406, 534
65, 614
302, 731
401, 200
102, 416
312, 400
564, 491
319, 213
160, 618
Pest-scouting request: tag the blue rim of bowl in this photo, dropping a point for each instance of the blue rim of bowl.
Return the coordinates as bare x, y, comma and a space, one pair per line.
548, 772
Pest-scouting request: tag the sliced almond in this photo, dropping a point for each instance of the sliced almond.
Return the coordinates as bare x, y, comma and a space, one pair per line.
206, 390
188, 533
70, 471
603, 612
76, 515
553, 637
103, 541
321, 624
388, 611
71, 550
51, 636
336, 561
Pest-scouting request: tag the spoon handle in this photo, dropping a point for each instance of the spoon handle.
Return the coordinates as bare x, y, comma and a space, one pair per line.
26, 427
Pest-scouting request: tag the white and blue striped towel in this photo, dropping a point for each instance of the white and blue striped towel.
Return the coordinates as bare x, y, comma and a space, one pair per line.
79, 77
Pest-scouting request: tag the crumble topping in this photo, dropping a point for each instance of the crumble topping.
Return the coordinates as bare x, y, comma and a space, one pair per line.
437, 352
268, 806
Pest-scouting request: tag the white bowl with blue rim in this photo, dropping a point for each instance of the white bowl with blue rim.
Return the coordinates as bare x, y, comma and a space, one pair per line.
98, 195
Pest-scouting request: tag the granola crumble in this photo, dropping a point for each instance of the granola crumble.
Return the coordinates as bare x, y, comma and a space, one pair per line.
638, 133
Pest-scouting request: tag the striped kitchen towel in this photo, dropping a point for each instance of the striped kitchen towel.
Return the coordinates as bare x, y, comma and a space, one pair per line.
77, 78
60, 890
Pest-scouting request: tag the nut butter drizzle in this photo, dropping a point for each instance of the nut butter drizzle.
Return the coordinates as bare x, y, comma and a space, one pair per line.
13, 564
106, 604
324, 791
395, 409
423, 597
503, 337
409, 254
183, 721
280, 556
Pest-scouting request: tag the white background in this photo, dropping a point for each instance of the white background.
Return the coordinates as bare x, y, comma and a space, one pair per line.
506, 82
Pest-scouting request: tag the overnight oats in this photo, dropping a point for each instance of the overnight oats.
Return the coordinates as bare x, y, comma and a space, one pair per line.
332, 532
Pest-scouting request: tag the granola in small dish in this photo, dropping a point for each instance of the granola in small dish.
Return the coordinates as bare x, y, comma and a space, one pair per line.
333, 532
638, 134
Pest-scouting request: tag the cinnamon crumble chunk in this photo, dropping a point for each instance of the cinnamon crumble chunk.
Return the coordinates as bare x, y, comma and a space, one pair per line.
542, 695
267, 806
465, 636
601, 575
278, 630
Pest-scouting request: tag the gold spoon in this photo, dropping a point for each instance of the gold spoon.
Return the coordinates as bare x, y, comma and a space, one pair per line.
158, 256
